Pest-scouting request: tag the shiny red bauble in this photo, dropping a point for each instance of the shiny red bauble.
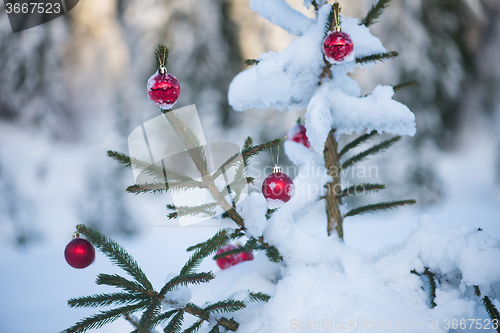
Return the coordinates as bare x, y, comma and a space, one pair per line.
338, 47
298, 134
79, 253
164, 89
277, 188
232, 259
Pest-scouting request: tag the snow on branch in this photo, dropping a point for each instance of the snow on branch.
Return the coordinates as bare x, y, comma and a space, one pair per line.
288, 80
342, 110
280, 13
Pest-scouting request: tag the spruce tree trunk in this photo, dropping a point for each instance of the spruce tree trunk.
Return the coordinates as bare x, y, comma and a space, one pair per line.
332, 164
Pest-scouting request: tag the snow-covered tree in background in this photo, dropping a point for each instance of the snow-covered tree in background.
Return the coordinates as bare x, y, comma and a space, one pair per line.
435, 280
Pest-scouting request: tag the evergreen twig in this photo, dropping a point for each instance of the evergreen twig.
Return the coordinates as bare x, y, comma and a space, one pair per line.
99, 300
117, 255
230, 253
405, 85
229, 305
213, 244
195, 327
377, 57
331, 17
250, 62
375, 149
356, 142
375, 12
175, 325
255, 150
147, 168
118, 281
361, 189
273, 254
431, 281
206, 209
379, 207
270, 213
259, 297
159, 187
492, 311
215, 329
105, 317
161, 55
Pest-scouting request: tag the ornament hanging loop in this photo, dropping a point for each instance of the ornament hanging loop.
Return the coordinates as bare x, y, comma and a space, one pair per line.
336, 18
75, 235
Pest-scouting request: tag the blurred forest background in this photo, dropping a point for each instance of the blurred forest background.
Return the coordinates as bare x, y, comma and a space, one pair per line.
76, 87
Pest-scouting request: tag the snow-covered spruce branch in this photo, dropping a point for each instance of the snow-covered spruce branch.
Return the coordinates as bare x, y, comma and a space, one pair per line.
139, 295
431, 282
375, 12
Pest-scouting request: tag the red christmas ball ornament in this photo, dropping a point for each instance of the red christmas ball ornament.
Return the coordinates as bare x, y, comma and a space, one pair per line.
232, 259
163, 89
79, 253
338, 47
277, 188
298, 134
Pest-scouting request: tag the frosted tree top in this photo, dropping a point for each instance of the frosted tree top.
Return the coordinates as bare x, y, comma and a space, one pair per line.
290, 80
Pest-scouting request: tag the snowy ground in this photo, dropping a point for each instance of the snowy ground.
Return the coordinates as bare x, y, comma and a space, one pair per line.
35, 283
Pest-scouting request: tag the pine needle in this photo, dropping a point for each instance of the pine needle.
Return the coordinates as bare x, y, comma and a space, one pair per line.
377, 57
432, 287
195, 327
375, 149
104, 317
379, 207
492, 310
356, 142
175, 325
116, 254
161, 55
99, 300
404, 85
118, 281
375, 12
229, 305
259, 297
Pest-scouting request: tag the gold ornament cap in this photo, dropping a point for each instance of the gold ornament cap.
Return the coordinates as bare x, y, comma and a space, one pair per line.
277, 169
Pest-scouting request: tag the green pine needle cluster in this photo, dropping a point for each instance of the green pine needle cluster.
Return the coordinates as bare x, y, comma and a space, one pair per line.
138, 295
377, 57
375, 12
362, 189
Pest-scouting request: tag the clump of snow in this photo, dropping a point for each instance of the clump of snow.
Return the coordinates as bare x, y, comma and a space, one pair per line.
288, 80
253, 210
285, 80
320, 3
334, 106
177, 298
301, 155
280, 13
274, 203
322, 281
